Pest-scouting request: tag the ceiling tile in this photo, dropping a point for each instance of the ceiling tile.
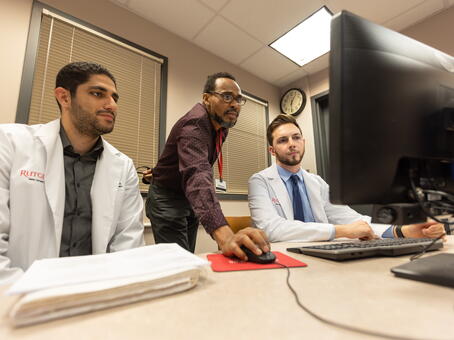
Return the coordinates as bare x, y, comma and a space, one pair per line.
269, 65
214, 4
120, 2
172, 17
382, 11
318, 64
227, 41
415, 15
268, 20
290, 78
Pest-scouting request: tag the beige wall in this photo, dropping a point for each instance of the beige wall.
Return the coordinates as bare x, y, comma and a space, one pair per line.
188, 64
14, 20
436, 31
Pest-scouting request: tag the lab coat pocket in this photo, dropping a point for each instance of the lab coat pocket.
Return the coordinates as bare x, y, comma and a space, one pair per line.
118, 202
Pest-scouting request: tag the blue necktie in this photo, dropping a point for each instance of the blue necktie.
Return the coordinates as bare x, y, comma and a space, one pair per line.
298, 212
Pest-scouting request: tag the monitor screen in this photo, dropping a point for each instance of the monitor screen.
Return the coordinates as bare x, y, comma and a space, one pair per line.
391, 117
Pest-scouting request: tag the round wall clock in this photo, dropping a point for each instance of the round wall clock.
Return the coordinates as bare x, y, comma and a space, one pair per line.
293, 101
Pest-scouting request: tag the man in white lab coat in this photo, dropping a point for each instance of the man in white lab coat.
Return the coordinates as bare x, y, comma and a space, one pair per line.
311, 217
64, 190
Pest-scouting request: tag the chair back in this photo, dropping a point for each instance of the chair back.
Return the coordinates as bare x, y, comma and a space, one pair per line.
237, 223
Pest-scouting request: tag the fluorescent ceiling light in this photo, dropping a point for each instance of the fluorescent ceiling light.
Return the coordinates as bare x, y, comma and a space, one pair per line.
308, 40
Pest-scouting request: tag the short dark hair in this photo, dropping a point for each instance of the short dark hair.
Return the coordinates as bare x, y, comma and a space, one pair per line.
74, 74
211, 80
278, 121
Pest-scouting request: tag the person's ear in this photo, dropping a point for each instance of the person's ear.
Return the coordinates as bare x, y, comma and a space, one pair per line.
206, 101
271, 150
63, 96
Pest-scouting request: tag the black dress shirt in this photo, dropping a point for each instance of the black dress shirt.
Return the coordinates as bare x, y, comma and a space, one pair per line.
79, 172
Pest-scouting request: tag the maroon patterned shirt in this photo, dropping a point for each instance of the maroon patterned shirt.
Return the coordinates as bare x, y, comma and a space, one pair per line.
185, 165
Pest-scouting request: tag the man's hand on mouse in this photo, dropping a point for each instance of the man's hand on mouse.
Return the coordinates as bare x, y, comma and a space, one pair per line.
253, 238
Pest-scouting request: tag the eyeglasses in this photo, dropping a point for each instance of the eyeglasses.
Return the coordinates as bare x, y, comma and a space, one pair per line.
228, 97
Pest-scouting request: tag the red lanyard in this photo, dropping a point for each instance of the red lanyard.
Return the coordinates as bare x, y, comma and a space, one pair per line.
219, 152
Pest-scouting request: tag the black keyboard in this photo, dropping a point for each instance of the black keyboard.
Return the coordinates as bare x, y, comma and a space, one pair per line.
340, 251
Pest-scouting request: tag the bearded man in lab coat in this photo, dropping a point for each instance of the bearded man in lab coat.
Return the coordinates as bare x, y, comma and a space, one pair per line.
291, 205
65, 191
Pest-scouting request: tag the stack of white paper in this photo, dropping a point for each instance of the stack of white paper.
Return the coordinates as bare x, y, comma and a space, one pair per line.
55, 288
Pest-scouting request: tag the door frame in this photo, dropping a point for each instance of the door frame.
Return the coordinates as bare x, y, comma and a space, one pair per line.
321, 156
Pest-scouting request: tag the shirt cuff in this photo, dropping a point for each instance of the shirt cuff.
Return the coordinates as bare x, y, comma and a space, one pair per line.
388, 233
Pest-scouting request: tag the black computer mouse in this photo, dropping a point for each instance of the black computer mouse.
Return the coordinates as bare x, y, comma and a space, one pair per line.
265, 258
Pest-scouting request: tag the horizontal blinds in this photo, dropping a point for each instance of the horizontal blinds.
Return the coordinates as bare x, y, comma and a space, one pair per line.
136, 131
244, 151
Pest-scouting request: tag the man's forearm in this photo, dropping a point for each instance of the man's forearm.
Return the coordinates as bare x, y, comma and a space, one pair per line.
222, 234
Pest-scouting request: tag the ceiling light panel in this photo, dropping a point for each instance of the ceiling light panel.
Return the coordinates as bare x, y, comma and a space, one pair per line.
308, 40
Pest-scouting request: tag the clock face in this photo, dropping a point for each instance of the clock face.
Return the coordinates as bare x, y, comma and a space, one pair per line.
293, 102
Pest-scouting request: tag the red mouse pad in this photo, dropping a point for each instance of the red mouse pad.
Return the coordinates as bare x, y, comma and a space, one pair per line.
221, 263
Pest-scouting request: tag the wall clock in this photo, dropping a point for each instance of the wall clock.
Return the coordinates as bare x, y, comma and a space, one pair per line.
293, 101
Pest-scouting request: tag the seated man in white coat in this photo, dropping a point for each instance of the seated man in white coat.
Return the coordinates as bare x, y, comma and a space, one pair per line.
290, 204
65, 191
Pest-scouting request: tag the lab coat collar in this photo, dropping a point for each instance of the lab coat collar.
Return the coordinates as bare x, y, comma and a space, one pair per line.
280, 190
54, 183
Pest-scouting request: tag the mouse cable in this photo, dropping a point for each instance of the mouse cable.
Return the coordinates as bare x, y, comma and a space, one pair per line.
423, 251
338, 324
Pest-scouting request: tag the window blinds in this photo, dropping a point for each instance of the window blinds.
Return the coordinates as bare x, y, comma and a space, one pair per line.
138, 77
245, 149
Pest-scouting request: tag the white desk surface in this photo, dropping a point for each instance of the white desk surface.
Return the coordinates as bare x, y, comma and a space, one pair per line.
258, 305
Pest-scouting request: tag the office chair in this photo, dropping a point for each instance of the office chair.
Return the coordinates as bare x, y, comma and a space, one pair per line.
237, 223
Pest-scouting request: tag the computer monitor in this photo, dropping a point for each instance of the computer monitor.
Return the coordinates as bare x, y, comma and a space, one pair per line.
391, 122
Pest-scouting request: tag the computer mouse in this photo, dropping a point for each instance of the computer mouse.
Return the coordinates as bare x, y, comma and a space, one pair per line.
265, 258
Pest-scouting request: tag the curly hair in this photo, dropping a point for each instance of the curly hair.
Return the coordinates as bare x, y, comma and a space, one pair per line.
211, 80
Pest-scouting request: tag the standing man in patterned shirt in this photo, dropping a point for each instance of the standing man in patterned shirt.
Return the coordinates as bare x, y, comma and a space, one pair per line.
182, 190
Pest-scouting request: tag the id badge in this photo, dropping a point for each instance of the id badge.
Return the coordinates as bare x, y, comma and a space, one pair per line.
221, 185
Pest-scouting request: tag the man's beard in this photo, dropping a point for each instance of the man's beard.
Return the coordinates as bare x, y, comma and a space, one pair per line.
221, 122
289, 162
87, 124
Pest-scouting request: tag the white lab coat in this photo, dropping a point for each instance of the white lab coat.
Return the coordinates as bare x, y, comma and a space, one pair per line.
32, 198
272, 210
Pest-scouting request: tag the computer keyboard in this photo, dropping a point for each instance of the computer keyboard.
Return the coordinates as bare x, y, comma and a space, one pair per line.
340, 251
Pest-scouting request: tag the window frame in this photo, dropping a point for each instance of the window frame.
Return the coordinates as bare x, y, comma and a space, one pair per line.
26, 85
